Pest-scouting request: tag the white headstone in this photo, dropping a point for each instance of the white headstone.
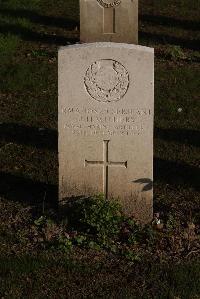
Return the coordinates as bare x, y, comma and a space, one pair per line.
109, 21
106, 107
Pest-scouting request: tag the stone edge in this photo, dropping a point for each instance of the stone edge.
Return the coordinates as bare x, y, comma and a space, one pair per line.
108, 45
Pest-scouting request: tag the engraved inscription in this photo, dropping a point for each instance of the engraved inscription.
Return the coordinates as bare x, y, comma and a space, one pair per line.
106, 80
109, 3
104, 122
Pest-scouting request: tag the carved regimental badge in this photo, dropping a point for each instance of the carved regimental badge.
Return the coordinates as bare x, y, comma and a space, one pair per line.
109, 3
106, 80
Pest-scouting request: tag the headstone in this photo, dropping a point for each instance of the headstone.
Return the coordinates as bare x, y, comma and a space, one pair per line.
106, 106
109, 21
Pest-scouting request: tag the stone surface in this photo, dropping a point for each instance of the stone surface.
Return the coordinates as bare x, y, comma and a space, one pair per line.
106, 106
109, 21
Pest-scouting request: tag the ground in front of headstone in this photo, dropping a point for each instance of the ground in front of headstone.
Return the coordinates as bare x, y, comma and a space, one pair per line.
57, 262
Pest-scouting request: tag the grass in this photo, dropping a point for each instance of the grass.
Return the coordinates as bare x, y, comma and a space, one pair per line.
74, 278
30, 34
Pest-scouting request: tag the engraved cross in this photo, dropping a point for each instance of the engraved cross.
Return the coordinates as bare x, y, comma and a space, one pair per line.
109, 20
106, 164
109, 14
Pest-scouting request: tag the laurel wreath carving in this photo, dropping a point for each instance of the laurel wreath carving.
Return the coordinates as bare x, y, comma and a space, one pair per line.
118, 87
108, 5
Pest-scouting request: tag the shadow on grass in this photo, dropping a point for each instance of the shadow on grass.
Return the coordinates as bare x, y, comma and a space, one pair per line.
176, 174
25, 190
164, 39
184, 136
69, 24
20, 134
171, 22
37, 18
29, 35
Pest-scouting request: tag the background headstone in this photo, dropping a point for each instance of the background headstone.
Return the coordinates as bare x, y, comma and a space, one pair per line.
109, 21
106, 106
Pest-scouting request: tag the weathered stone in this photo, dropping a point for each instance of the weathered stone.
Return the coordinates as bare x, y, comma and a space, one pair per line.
106, 107
109, 21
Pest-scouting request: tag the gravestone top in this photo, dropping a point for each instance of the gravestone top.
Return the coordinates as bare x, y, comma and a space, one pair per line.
108, 45
106, 108
109, 20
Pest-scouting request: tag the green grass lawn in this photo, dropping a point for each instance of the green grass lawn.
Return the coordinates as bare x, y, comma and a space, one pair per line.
30, 34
